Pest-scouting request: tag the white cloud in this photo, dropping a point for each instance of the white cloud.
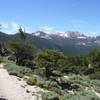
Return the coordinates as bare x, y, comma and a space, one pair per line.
93, 34
9, 28
28, 29
12, 28
79, 26
46, 29
59, 32
78, 21
14, 25
9, 32
4, 25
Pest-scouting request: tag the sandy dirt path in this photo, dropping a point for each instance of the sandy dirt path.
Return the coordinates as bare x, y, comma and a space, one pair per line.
11, 89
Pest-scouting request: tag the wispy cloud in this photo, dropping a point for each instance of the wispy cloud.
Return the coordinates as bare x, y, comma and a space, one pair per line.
80, 26
46, 29
12, 27
9, 27
93, 34
78, 21
4, 25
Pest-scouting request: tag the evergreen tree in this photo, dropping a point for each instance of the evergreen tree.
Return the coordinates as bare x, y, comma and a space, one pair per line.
50, 61
22, 50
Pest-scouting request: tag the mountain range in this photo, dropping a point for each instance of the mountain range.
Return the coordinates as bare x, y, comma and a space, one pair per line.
70, 43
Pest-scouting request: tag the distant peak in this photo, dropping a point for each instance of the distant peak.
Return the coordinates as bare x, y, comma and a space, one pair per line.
41, 34
71, 34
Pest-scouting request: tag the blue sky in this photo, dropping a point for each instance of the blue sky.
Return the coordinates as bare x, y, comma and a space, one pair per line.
51, 15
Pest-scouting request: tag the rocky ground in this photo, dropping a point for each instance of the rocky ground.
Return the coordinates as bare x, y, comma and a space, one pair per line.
14, 88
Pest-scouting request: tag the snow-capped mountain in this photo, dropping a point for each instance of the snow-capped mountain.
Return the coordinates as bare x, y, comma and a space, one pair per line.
41, 34
75, 38
70, 34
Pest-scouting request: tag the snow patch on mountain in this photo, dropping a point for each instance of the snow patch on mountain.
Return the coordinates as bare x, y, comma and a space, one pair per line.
41, 35
70, 34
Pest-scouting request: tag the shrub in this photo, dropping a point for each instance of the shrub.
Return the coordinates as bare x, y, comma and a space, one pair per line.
57, 90
84, 95
19, 71
41, 83
95, 75
89, 71
12, 57
47, 85
0, 59
50, 96
35, 80
50, 60
31, 80
29, 63
40, 72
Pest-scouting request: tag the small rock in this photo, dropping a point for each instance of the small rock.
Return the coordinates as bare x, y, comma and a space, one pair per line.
27, 91
3, 99
23, 86
19, 79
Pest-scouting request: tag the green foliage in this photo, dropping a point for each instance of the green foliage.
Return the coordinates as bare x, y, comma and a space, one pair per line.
16, 70
95, 56
21, 35
12, 57
35, 80
95, 75
0, 59
51, 85
49, 60
84, 95
50, 96
23, 51
4, 50
31, 80
83, 81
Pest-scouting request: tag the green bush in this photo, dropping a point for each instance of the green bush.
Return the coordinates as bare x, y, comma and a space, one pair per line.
95, 75
35, 80
49, 85
41, 83
19, 71
29, 63
11, 57
57, 90
40, 72
31, 80
84, 95
50, 96
0, 60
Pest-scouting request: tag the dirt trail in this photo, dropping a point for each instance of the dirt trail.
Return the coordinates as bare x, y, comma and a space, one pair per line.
11, 88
